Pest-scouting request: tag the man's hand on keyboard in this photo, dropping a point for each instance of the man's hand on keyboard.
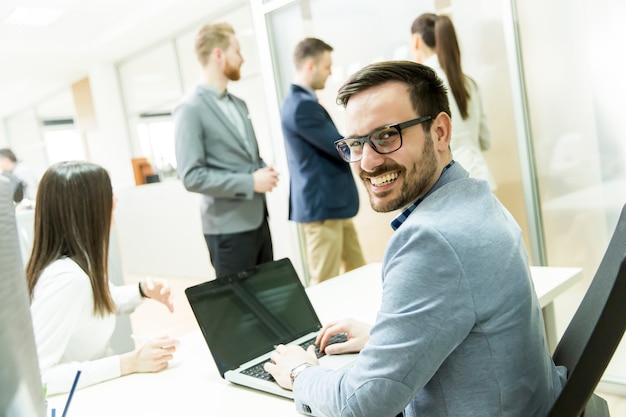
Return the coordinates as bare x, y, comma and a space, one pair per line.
287, 357
358, 333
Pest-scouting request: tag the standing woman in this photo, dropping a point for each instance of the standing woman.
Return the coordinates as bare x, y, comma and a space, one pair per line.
73, 305
434, 43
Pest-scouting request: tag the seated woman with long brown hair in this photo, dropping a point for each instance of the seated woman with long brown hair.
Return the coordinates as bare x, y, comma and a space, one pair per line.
73, 305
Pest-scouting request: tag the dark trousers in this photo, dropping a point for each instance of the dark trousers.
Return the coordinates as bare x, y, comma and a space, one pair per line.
234, 252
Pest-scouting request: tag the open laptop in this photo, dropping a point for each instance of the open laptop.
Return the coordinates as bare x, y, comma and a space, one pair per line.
244, 315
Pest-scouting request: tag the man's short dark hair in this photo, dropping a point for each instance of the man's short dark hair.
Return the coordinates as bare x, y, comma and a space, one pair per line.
8, 153
427, 91
309, 48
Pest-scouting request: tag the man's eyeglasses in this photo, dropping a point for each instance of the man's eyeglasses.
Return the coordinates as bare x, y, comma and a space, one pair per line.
383, 140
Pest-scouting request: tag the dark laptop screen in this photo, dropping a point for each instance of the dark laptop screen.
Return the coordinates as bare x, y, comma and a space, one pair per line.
244, 315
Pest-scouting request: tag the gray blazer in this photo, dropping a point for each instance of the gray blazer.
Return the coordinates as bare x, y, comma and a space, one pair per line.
459, 331
213, 159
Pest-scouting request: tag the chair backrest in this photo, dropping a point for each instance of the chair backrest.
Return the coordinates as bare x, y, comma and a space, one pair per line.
596, 329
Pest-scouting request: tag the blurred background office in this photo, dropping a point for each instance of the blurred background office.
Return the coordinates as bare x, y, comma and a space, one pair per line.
97, 80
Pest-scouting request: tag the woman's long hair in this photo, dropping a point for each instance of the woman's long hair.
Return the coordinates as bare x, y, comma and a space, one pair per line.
439, 34
73, 219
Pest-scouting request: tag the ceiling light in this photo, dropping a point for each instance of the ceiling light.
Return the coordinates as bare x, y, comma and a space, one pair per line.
33, 16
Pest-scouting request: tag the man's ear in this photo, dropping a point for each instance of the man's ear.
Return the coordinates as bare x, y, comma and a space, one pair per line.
217, 53
309, 63
441, 131
416, 39
416, 42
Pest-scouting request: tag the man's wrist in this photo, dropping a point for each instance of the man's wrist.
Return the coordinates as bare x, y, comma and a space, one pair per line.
296, 370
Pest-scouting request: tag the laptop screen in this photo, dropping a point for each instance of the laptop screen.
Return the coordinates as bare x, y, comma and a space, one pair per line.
244, 315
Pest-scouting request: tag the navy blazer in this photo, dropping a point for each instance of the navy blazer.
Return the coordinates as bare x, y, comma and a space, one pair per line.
321, 184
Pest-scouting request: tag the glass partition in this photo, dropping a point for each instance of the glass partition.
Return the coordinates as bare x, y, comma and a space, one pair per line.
354, 30
575, 91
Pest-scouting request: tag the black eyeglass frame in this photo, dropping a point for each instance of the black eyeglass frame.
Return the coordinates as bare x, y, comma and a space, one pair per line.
367, 139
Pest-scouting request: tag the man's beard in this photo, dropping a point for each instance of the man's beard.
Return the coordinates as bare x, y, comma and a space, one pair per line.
416, 181
231, 72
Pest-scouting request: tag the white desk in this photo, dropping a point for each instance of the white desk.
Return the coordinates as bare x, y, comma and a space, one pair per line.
192, 386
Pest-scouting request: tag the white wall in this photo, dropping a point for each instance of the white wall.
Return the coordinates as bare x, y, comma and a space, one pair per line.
26, 141
4, 138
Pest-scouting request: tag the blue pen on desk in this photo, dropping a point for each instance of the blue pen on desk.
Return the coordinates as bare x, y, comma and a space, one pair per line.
69, 398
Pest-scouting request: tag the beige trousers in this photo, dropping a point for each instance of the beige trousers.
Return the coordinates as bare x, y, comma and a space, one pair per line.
332, 247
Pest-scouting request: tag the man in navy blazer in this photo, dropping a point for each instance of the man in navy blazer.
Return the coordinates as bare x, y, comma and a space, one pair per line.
218, 156
323, 196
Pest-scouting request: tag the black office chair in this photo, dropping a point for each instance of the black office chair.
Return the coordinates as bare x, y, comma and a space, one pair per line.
594, 333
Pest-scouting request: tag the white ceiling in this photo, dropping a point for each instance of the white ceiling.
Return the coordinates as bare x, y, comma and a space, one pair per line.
37, 62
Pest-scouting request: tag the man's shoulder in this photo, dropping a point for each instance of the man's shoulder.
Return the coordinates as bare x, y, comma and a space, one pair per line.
296, 101
299, 93
459, 200
461, 194
191, 99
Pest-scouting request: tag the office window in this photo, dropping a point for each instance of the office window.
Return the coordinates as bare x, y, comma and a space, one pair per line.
249, 87
63, 143
156, 135
578, 133
61, 138
155, 81
24, 129
241, 20
151, 86
150, 81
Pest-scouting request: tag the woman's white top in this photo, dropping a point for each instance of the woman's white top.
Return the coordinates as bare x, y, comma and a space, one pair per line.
470, 137
68, 335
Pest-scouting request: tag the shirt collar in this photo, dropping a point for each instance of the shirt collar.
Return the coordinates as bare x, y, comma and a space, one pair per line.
214, 92
308, 90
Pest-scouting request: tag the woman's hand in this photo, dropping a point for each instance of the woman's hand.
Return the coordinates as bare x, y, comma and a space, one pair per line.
159, 290
152, 356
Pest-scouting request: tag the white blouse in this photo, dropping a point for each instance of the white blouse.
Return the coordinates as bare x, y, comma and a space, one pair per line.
68, 335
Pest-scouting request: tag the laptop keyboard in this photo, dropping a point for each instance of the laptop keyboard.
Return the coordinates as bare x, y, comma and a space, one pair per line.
257, 370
